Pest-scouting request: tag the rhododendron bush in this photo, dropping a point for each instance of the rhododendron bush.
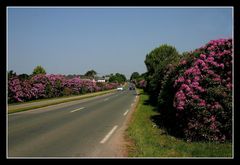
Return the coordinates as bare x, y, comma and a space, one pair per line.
48, 86
203, 98
140, 83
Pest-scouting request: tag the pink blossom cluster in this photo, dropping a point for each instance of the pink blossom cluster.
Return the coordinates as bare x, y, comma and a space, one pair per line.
142, 83
210, 67
46, 86
15, 87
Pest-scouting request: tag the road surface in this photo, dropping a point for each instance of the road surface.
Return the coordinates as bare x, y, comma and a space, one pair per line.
78, 129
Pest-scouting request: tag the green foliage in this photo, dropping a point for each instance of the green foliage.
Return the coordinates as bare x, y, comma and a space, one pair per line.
134, 76
23, 76
49, 91
58, 88
165, 101
118, 78
91, 73
158, 59
138, 80
67, 91
156, 62
39, 70
11, 74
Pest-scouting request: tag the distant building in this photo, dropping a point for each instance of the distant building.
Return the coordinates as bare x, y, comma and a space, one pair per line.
87, 78
101, 80
106, 78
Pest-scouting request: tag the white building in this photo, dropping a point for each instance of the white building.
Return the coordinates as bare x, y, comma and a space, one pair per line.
101, 80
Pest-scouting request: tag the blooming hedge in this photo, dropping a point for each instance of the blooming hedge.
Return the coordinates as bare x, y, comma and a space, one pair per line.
140, 83
48, 86
203, 98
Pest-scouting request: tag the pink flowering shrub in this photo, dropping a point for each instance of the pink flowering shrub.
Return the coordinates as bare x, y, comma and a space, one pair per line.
203, 98
15, 93
48, 86
142, 84
139, 82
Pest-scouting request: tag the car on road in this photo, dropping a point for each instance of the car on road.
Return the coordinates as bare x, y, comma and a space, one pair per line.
120, 88
131, 87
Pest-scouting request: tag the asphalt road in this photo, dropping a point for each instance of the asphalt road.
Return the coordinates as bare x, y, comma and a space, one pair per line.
70, 130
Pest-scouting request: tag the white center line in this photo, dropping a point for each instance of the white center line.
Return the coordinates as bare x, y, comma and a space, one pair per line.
109, 134
125, 112
77, 109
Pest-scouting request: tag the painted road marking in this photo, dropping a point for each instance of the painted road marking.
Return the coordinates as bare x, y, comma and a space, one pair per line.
106, 99
77, 109
108, 135
125, 112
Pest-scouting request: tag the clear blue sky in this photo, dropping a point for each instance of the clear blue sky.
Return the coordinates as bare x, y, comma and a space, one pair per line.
108, 40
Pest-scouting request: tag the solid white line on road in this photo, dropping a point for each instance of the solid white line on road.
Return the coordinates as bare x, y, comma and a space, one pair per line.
108, 135
106, 99
125, 112
77, 109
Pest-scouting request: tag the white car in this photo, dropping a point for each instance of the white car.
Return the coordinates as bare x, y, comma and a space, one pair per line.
120, 88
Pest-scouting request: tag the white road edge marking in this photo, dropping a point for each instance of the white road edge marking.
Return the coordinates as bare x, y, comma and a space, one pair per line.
77, 109
108, 135
125, 112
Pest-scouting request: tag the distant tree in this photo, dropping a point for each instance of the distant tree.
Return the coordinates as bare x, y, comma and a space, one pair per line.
134, 76
185, 54
11, 74
111, 75
39, 70
156, 62
144, 75
119, 78
112, 78
69, 76
23, 76
91, 73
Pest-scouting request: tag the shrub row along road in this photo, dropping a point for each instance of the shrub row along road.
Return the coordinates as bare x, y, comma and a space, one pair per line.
81, 129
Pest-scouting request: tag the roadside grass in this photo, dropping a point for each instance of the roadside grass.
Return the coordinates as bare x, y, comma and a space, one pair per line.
147, 140
55, 101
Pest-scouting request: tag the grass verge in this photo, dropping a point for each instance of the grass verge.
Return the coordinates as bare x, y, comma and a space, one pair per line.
147, 140
53, 101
